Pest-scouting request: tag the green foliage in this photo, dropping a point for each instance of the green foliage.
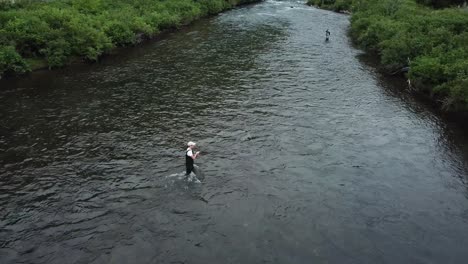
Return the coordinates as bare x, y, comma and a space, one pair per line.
24, 32
213, 7
428, 69
11, 61
342, 5
434, 41
336, 5
57, 52
62, 29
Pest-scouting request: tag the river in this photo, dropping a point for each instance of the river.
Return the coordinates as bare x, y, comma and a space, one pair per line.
310, 155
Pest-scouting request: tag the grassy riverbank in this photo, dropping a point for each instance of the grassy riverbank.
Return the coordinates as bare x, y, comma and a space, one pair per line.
433, 42
50, 34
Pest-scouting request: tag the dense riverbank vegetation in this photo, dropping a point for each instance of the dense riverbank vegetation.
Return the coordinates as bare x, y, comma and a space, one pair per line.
335, 5
52, 33
432, 42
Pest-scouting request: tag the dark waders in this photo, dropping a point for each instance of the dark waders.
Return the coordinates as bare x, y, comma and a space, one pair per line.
188, 163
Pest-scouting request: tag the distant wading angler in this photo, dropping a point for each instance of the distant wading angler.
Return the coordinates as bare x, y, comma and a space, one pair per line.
190, 157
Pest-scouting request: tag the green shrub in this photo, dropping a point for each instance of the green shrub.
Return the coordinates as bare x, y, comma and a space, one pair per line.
428, 69
57, 52
212, 6
341, 5
27, 34
119, 32
11, 61
336, 5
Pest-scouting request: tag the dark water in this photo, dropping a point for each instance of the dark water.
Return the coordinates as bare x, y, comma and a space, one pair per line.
310, 155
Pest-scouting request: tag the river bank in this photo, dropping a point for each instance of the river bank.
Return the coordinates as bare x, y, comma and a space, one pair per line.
430, 43
35, 35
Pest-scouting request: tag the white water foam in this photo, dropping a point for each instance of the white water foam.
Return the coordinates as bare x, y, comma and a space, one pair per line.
182, 177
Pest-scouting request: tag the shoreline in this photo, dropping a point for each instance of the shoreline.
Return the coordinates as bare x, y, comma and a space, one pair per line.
418, 84
40, 63
422, 97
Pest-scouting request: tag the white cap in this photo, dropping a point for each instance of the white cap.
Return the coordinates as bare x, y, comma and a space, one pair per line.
191, 143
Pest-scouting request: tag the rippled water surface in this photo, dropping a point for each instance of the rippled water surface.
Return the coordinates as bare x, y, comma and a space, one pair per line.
309, 155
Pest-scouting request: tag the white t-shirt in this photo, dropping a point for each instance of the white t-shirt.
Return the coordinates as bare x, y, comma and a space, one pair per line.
189, 152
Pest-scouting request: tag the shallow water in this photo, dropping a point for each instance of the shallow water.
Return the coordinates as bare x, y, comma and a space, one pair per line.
310, 156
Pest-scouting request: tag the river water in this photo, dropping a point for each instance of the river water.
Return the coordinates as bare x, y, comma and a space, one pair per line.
310, 156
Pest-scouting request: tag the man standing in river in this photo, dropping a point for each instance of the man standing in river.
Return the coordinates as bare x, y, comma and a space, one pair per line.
190, 157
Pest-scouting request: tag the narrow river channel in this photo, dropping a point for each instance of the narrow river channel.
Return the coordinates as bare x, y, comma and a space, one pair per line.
310, 155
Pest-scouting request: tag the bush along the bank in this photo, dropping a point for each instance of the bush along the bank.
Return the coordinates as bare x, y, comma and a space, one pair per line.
432, 42
11, 61
61, 30
335, 5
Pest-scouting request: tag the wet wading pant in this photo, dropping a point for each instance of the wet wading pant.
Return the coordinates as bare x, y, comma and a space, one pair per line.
188, 163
